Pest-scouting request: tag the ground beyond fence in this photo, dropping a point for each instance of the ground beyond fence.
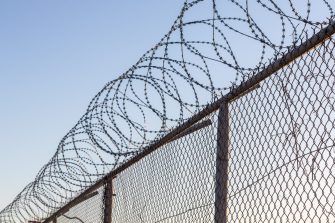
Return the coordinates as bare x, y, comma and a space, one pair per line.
262, 153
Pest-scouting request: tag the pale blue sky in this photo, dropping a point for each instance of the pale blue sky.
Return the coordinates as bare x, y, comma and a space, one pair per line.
54, 57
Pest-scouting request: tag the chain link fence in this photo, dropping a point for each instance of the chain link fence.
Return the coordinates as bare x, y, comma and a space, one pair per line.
263, 153
89, 209
282, 154
228, 118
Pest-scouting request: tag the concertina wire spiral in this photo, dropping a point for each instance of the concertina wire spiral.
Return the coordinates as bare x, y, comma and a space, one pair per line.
211, 47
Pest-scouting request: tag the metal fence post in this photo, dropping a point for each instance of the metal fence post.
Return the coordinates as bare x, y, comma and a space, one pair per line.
108, 200
221, 177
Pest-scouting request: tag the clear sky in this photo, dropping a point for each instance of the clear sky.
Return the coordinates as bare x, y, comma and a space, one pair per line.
54, 57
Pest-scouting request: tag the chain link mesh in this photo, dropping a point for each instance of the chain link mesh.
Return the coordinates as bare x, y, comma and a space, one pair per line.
87, 211
173, 184
266, 156
281, 163
281, 157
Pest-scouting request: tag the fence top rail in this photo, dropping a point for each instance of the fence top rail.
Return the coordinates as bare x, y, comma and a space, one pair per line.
244, 87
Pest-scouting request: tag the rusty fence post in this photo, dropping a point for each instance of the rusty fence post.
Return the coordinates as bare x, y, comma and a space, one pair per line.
222, 156
108, 200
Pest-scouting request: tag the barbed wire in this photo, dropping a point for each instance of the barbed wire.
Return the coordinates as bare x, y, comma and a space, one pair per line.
211, 47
